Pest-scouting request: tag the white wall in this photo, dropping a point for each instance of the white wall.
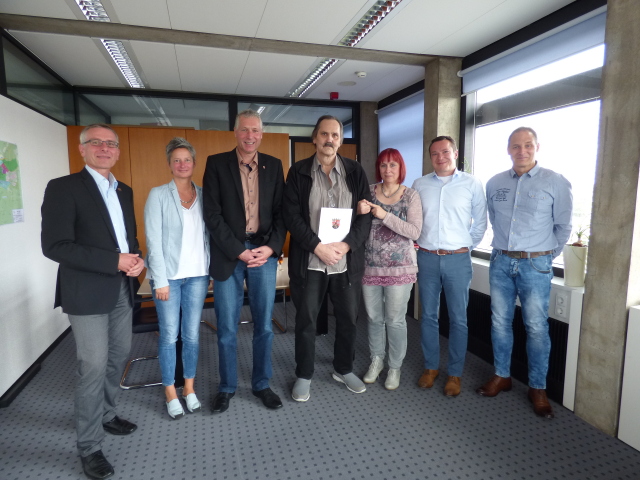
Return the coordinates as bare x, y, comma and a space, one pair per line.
629, 425
28, 322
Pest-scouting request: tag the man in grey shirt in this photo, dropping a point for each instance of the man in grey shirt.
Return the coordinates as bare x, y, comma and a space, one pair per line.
325, 180
530, 209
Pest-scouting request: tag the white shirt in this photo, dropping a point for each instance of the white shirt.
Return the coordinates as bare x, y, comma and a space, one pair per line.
192, 255
110, 196
454, 213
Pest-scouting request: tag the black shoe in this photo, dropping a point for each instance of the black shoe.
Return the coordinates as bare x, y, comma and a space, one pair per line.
221, 401
269, 399
96, 466
119, 426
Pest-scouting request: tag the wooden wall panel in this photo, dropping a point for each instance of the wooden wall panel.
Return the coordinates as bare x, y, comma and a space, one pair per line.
208, 142
121, 170
306, 149
277, 145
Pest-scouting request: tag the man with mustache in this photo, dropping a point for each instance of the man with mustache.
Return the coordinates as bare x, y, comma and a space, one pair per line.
242, 192
325, 180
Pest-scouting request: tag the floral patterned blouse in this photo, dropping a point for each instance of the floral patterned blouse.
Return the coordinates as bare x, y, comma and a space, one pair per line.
390, 256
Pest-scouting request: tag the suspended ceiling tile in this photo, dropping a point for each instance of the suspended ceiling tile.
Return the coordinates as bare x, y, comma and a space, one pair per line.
76, 59
223, 17
379, 82
210, 69
422, 24
37, 8
159, 64
309, 22
272, 74
148, 13
505, 19
402, 77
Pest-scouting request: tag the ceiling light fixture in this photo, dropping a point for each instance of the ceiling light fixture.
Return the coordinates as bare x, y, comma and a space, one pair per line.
95, 12
369, 20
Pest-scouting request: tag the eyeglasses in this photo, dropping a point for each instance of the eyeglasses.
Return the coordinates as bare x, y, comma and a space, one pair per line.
98, 143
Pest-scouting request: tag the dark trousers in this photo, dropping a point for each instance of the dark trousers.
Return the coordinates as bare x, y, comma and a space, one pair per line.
307, 299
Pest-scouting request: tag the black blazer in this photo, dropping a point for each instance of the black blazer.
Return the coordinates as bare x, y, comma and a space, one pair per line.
224, 212
77, 232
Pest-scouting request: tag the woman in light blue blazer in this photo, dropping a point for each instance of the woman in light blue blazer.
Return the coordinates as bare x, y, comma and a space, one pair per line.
178, 265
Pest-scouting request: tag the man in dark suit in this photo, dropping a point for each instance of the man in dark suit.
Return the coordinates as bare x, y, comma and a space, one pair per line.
242, 192
89, 228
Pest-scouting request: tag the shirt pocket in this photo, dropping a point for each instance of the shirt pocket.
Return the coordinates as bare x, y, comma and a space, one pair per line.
539, 202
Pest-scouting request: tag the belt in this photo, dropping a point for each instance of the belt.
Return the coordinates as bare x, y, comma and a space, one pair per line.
513, 254
249, 237
445, 252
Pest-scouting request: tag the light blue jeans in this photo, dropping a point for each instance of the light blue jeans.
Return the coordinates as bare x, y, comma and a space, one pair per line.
386, 311
453, 274
229, 295
529, 279
187, 294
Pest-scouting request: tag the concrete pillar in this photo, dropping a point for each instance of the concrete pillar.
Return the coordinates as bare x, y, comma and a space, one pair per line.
369, 138
442, 88
613, 276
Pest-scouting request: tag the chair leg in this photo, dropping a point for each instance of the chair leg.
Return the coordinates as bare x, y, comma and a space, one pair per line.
284, 303
124, 386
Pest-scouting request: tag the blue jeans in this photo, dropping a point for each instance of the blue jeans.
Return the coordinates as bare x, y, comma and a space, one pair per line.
229, 294
187, 294
453, 273
386, 311
529, 279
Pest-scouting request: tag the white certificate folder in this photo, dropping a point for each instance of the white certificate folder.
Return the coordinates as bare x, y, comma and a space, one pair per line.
335, 224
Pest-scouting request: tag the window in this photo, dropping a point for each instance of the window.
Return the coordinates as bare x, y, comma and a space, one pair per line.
568, 140
297, 120
401, 126
29, 83
565, 114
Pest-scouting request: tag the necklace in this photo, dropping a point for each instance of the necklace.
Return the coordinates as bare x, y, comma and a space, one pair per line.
389, 196
193, 195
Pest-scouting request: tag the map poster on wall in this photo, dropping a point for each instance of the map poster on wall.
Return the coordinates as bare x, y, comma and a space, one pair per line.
11, 210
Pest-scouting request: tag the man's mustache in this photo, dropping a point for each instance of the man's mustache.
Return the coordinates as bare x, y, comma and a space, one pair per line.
328, 144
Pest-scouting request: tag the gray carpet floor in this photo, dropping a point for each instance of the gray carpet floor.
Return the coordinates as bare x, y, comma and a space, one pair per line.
406, 434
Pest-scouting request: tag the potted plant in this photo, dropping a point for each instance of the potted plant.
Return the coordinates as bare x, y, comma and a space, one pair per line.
575, 259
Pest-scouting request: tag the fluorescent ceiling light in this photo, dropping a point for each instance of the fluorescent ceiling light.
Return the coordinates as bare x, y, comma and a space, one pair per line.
369, 20
95, 12
567, 67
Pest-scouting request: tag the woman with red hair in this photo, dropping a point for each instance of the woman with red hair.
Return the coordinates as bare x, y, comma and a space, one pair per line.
390, 263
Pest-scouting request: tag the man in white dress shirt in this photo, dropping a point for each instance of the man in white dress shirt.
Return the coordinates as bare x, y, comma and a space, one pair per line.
454, 212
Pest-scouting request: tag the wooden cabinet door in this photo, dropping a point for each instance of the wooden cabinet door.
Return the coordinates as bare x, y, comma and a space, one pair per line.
208, 142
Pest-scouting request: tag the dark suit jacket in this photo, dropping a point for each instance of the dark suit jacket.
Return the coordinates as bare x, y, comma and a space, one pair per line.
224, 211
77, 232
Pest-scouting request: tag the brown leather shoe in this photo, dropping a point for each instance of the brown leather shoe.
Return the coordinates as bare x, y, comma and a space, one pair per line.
494, 386
541, 406
452, 388
427, 378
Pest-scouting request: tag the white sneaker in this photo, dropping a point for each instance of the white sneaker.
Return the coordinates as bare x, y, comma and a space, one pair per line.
353, 383
374, 370
193, 404
393, 379
174, 408
300, 392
